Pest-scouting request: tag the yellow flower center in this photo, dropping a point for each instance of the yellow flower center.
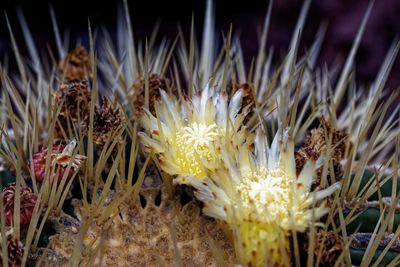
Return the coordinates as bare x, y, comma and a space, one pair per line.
193, 147
269, 197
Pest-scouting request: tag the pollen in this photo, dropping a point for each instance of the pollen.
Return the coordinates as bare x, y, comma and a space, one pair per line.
271, 196
194, 144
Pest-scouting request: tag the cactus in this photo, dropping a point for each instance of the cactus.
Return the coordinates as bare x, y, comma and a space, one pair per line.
359, 243
384, 188
158, 154
370, 214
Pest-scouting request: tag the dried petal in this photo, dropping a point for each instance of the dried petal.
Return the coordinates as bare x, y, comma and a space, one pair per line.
108, 119
76, 65
75, 99
318, 142
328, 246
156, 83
317, 146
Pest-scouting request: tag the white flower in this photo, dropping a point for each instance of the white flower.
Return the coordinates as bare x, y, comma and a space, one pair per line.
187, 135
260, 198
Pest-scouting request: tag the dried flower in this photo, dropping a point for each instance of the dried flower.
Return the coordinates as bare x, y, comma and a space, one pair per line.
317, 140
261, 199
328, 247
75, 98
39, 162
15, 251
76, 65
317, 146
27, 204
108, 119
187, 134
60, 158
156, 83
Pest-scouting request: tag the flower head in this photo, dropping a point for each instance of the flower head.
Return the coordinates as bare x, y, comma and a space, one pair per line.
187, 134
75, 98
108, 119
156, 84
15, 251
27, 203
61, 156
76, 65
328, 247
261, 199
319, 141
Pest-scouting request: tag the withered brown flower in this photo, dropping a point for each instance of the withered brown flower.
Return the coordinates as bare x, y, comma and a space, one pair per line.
156, 83
74, 98
108, 119
317, 140
76, 65
328, 247
317, 145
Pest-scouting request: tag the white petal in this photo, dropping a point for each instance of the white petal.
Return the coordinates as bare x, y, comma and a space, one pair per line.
235, 104
215, 212
203, 192
306, 175
274, 153
205, 94
222, 110
327, 192
261, 147
148, 121
155, 145
287, 157
168, 103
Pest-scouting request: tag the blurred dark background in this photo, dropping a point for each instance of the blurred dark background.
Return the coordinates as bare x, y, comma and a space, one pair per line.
343, 18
